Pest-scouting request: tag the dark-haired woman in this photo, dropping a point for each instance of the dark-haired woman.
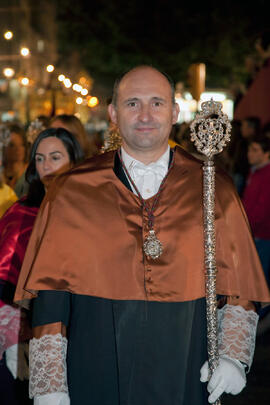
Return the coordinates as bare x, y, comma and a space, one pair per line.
53, 152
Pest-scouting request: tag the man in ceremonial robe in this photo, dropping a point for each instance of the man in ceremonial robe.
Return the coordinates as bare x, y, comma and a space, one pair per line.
114, 323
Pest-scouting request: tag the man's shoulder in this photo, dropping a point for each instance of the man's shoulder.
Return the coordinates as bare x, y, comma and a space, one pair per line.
95, 163
91, 171
187, 158
194, 164
88, 167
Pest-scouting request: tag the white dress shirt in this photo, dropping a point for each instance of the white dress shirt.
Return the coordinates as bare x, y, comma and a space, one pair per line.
147, 178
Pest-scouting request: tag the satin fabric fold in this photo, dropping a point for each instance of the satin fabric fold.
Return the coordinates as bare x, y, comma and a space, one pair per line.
89, 234
15, 230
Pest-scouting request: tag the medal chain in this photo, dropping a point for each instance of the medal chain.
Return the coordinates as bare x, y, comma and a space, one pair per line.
149, 210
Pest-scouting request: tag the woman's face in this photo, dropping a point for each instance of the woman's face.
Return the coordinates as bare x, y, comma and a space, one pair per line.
15, 149
51, 157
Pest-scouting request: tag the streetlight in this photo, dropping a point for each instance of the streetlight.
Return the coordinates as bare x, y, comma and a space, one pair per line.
79, 100
8, 35
61, 78
8, 72
77, 87
92, 102
84, 92
24, 81
25, 51
50, 68
67, 83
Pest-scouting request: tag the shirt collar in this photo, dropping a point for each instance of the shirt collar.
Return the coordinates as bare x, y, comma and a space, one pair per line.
129, 161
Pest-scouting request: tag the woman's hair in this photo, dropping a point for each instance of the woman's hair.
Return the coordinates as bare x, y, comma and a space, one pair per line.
36, 191
17, 129
75, 126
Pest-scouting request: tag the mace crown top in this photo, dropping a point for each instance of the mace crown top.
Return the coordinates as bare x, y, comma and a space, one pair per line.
210, 130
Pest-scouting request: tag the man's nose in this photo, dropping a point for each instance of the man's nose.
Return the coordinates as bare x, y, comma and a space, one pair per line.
145, 113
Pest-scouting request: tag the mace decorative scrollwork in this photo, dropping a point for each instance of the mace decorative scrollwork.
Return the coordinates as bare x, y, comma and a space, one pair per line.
210, 131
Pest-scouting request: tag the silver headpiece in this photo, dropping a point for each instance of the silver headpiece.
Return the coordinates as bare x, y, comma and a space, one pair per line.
34, 129
210, 131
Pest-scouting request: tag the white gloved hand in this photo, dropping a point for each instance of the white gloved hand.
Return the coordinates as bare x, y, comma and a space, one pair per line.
229, 377
12, 359
17, 360
54, 398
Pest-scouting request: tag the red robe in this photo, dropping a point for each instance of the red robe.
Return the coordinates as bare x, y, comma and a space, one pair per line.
256, 101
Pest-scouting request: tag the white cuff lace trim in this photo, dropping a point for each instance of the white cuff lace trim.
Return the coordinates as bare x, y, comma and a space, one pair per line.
48, 371
237, 333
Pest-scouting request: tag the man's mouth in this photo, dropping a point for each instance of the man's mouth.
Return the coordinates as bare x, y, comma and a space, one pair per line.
144, 129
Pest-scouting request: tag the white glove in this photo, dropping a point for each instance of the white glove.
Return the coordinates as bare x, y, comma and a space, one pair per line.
17, 360
54, 398
12, 359
229, 377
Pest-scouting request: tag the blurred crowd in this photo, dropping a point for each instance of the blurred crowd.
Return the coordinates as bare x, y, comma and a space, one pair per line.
50, 145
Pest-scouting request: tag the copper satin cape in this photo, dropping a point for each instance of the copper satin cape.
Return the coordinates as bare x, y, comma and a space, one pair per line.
88, 238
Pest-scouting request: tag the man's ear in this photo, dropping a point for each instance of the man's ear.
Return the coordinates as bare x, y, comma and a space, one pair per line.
112, 113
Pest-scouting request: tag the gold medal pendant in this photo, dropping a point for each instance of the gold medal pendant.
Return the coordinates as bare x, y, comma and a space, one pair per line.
152, 246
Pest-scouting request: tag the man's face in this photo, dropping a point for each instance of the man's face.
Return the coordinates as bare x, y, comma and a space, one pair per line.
246, 130
256, 155
144, 112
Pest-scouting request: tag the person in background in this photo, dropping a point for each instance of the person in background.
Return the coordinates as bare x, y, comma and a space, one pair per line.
256, 99
53, 151
266, 130
7, 195
243, 131
256, 198
15, 159
74, 125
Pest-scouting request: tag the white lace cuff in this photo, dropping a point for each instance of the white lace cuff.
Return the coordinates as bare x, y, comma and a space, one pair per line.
48, 371
237, 333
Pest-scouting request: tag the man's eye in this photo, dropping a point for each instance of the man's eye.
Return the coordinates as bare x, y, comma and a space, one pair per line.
157, 103
132, 104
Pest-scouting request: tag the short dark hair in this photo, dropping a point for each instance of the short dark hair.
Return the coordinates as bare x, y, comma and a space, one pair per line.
263, 141
123, 74
18, 130
36, 188
253, 122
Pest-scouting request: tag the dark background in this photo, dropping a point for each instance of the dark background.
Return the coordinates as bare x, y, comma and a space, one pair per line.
111, 36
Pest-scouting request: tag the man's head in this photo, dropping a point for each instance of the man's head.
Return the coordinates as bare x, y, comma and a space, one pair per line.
259, 152
250, 127
144, 110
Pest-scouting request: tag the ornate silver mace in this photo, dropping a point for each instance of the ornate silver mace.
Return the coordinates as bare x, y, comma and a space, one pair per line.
210, 131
